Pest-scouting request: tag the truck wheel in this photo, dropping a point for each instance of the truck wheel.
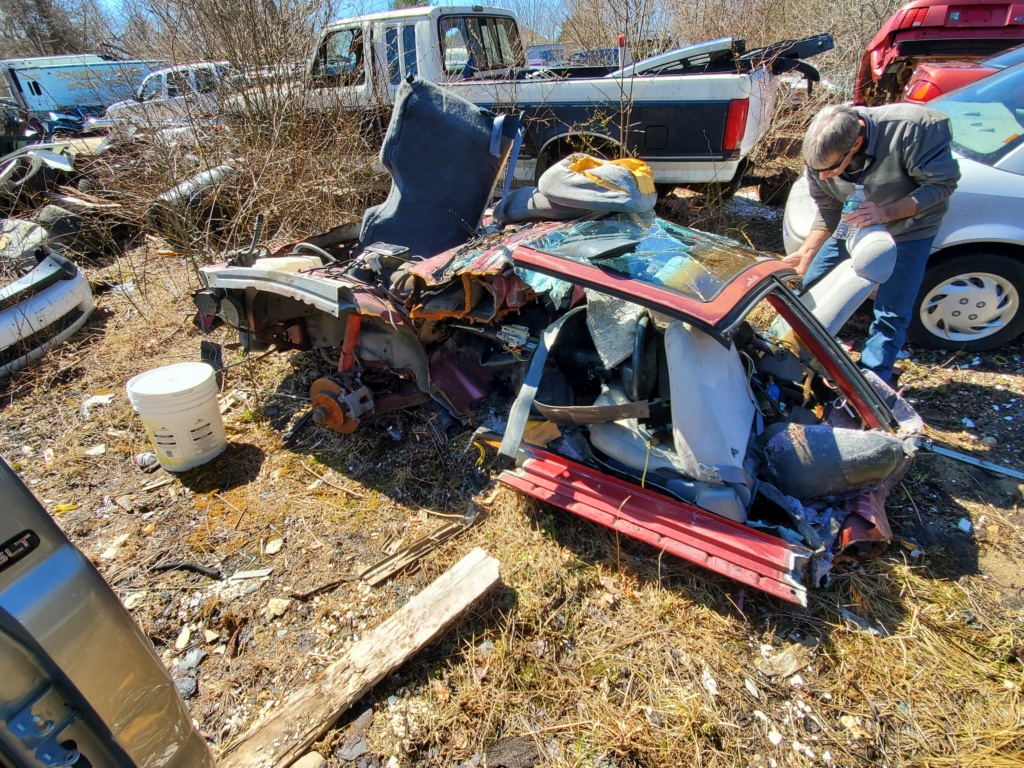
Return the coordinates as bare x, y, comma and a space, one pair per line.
774, 189
564, 147
971, 302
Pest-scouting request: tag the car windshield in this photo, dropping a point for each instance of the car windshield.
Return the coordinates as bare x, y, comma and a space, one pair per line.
693, 264
987, 116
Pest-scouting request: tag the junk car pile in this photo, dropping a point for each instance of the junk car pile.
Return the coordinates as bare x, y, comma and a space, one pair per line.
652, 378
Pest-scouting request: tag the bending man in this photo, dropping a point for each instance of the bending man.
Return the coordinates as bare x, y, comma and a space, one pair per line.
901, 154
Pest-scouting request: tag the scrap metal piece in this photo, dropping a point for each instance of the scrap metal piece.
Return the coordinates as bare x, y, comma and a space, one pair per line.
593, 414
709, 540
940, 450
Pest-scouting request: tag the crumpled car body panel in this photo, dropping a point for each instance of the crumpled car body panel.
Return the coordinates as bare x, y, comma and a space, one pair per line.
674, 346
41, 310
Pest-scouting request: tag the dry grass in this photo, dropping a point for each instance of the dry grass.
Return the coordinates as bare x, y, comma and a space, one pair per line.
597, 648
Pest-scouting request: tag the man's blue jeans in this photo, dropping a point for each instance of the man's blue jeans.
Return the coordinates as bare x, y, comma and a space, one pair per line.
894, 302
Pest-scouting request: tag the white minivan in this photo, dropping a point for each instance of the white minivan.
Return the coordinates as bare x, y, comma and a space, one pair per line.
173, 94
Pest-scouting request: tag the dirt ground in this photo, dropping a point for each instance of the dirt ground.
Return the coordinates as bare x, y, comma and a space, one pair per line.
595, 651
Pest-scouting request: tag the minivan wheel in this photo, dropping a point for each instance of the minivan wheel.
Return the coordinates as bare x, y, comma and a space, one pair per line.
970, 302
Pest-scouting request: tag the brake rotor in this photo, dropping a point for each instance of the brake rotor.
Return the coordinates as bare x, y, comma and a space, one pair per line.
327, 410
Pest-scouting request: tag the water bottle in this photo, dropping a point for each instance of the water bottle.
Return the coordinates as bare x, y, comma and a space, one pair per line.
846, 231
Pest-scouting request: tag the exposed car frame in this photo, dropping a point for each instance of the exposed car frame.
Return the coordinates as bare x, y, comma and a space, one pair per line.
422, 340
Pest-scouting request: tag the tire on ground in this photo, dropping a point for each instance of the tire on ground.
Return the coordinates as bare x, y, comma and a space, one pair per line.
60, 222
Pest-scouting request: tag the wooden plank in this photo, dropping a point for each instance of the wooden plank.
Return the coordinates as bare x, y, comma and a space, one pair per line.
284, 734
395, 562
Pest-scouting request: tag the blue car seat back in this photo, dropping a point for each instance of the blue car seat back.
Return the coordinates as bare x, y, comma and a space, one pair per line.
445, 156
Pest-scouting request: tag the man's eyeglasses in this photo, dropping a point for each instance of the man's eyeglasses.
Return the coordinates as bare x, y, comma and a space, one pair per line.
841, 159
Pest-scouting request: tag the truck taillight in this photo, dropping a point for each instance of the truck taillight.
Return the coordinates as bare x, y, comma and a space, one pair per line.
735, 124
924, 91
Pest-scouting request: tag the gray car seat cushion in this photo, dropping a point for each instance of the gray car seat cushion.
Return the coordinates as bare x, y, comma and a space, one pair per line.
582, 182
528, 204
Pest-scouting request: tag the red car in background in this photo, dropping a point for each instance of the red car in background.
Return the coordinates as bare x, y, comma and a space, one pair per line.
931, 31
933, 80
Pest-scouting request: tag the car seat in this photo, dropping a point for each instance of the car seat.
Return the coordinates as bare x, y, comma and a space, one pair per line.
837, 294
712, 418
444, 155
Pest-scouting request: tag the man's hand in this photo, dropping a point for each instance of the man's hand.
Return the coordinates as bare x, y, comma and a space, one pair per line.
801, 258
866, 215
798, 261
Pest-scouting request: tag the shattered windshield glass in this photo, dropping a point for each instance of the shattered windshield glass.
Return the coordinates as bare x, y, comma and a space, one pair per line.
694, 264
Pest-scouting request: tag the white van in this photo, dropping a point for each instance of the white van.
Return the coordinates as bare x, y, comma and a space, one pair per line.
172, 94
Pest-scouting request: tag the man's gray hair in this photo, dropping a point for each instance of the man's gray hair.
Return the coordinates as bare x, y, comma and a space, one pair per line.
830, 134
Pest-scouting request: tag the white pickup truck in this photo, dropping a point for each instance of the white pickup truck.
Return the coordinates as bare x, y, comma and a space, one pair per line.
693, 114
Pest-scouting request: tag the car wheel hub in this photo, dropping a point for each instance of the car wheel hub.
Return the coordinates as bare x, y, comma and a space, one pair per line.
969, 306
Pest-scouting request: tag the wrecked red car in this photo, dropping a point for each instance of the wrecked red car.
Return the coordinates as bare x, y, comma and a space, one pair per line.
930, 31
676, 389
933, 80
658, 380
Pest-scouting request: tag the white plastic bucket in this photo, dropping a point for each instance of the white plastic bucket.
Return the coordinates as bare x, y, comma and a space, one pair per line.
178, 406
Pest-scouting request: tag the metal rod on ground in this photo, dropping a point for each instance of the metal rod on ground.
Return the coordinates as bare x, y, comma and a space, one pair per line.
940, 450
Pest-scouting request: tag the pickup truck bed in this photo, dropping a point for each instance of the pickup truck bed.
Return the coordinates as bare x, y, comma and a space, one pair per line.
693, 114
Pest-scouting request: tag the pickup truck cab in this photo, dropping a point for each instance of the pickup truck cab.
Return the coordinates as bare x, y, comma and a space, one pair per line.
175, 92
693, 114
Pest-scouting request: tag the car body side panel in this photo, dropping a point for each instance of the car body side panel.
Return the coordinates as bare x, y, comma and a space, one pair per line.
55, 595
980, 205
691, 533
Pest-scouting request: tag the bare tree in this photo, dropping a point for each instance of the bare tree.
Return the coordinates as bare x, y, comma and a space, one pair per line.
50, 27
598, 23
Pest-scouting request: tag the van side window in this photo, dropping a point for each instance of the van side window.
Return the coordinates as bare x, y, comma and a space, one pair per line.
340, 59
206, 80
178, 84
391, 48
151, 88
409, 50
